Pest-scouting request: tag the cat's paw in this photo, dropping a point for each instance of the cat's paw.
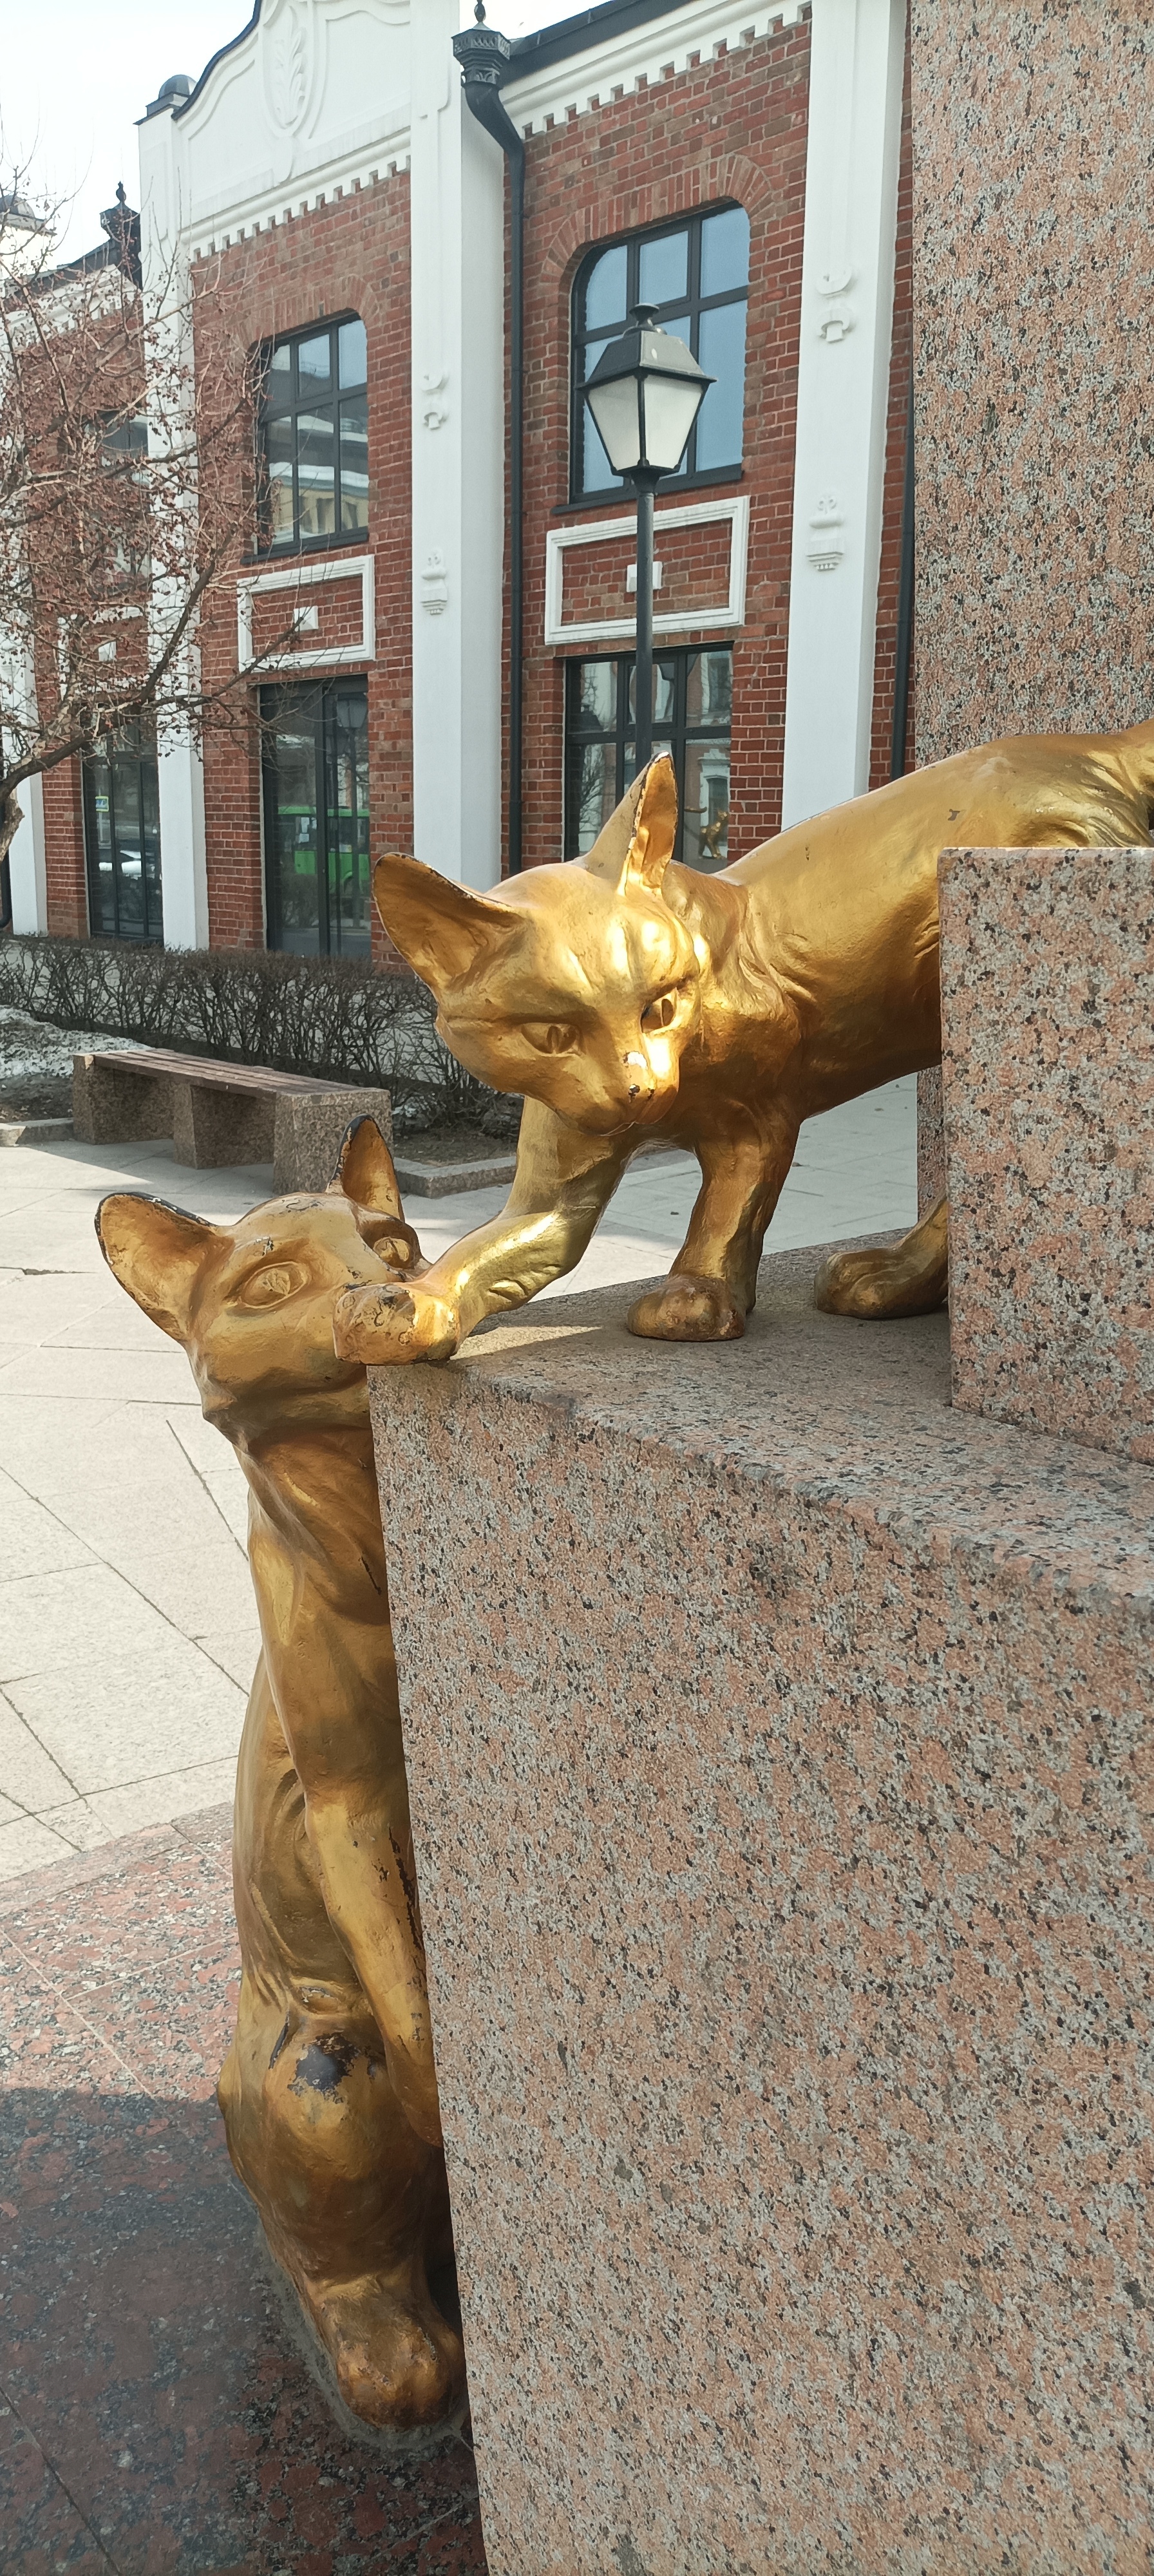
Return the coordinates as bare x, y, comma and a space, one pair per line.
396, 2359
687, 1309
899, 1279
389, 1326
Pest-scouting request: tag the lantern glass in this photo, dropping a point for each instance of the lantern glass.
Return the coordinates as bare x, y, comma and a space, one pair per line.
671, 407
616, 408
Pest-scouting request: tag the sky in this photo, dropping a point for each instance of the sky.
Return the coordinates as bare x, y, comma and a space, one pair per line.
75, 77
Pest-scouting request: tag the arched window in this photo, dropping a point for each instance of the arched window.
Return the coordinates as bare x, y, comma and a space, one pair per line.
696, 272
314, 435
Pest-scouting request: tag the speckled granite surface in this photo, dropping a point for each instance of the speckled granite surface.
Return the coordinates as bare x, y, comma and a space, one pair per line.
1033, 283
157, 2416
1048, 970
780, 1754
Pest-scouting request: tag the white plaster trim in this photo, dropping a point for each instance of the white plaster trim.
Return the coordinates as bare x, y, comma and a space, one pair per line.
847, 281
303, 576
692, 514
588, 80
206, 237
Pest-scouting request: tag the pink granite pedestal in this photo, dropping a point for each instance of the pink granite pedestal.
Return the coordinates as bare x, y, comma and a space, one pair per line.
1048, 1074
781, 1770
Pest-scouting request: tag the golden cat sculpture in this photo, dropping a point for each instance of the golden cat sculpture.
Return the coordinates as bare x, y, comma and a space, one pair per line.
628, 997
328, 2092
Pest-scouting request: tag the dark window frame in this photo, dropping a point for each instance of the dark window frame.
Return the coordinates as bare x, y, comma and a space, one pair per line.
273, 547
137, 745
673, 736
324, 688
692, 302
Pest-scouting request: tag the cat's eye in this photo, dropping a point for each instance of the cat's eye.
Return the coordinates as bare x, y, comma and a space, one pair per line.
270, 1286
659, 1014
550, 1037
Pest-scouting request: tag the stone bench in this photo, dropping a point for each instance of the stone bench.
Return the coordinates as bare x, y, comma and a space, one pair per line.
219, 1113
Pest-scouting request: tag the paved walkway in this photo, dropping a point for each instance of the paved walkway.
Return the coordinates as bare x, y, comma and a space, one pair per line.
127, 1629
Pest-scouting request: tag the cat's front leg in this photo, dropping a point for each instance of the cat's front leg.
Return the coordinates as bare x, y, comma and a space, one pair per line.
713, 1283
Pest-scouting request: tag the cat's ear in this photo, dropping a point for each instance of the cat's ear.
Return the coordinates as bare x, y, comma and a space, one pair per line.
156, 1252
637, 843
441, 928
365, 1170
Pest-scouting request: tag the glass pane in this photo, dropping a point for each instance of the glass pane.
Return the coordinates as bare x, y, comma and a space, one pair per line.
597, 696
355, 462
725, 251
315, 478
296, 891
605, 289
721, 351
279, 382
352, 353
664, 268
278, 449
709, 689
664, 684
129, 847
681, 327
314, 363
347, 767
102, 897
596, 472
705, 807
150, 844
594, 776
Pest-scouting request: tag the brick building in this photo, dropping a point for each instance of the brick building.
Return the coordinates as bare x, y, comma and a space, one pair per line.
743, 169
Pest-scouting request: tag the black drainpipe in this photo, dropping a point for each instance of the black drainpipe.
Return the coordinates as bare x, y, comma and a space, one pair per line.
484, 57
905, 637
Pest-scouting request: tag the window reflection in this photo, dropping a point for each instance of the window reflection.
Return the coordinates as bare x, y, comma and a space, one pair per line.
696, 273
315, 437
692, 703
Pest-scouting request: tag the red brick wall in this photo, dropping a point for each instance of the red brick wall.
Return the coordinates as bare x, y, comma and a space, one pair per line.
730, 128
348, 256
881, 754
64, 851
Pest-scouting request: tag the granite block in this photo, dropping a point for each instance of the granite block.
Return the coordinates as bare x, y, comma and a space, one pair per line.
212, 1130
110, 1107
310, 1129
1048, 1068
1033, 276
780, 1760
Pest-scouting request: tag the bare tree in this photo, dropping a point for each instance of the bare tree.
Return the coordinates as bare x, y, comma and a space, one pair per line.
126, 482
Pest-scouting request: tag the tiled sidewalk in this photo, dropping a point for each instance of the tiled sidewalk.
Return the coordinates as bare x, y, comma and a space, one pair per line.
156, 2414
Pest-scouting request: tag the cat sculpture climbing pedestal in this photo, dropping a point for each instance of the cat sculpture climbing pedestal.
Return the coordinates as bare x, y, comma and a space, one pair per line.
628, 997
328, 2092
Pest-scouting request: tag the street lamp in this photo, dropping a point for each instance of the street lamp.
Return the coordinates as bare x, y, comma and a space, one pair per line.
645, 393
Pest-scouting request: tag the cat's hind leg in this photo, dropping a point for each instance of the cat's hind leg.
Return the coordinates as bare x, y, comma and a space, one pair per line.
906, 1278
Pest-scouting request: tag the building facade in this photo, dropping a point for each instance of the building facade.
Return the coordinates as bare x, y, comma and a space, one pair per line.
744, 170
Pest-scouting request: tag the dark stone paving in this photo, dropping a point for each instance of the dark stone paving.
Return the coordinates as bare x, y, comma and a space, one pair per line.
155, 2411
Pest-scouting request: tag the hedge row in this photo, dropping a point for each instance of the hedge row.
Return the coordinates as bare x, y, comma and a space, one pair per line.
337, 1017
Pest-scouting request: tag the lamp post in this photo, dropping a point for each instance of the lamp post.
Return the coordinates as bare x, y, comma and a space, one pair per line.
645, 393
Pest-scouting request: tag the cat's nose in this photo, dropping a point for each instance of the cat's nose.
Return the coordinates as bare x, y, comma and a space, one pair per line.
639, 1090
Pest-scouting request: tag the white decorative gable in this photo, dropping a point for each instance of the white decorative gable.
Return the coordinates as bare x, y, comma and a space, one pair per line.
282, 114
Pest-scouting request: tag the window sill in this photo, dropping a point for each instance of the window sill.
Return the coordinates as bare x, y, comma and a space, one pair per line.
669, 491
345, 543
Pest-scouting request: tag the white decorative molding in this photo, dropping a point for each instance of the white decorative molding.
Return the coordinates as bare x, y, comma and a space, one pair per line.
588, 79
303, 576
857, 58
288, 61
691, 514
826, 543
435, 585
433, 413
